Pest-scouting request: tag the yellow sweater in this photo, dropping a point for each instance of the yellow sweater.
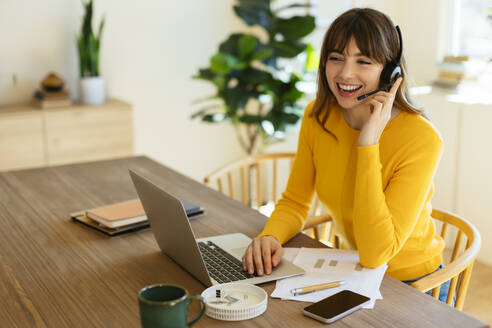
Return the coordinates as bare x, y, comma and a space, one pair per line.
379, 195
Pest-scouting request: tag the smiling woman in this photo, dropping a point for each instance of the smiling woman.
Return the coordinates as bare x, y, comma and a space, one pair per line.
371, 162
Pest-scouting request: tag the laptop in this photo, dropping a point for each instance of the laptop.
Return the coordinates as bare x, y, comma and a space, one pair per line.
212, 260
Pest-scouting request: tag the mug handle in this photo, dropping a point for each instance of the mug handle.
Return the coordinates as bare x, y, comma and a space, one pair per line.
197, 298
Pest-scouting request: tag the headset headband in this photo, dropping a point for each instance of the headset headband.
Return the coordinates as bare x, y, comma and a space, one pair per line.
398, 58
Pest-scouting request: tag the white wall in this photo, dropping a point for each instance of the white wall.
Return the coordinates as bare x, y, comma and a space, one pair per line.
421, 23
36, 37
150, 50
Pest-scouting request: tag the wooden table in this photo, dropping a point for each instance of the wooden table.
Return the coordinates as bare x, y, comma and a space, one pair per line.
57, 273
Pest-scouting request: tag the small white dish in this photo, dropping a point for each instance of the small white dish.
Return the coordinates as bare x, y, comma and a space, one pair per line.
235, 301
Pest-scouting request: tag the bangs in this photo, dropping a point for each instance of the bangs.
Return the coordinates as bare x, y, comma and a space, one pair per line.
369, 39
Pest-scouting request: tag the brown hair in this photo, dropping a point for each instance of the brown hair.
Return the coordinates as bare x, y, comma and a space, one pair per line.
376, 38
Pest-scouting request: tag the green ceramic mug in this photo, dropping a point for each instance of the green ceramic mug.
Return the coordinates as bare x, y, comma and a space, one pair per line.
163, 306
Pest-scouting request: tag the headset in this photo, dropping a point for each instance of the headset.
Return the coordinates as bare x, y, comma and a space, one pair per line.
391, 72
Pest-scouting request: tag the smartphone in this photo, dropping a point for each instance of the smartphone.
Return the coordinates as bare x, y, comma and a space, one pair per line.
336, 306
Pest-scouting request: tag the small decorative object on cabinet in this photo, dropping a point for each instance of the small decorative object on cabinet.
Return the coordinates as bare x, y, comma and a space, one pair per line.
30, 137
51, 94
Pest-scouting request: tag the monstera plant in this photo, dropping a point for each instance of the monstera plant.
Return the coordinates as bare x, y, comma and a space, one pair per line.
255, 90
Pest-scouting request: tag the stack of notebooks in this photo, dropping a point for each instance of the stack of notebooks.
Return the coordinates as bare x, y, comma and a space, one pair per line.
123, 217
455, 70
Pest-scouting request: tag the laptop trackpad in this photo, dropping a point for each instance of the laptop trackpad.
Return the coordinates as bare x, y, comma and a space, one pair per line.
237, 252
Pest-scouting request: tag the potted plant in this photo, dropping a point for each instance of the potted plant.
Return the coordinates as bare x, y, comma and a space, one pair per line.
92, 90
256, 92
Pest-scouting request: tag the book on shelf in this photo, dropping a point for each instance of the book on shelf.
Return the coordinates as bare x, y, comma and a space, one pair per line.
454, 70
44, 104
130, 212
51, 99
51, 95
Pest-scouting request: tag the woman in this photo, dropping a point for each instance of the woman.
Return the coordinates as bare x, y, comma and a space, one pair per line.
371, 162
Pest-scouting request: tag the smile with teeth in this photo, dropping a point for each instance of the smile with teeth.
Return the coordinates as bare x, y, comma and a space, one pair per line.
348, 88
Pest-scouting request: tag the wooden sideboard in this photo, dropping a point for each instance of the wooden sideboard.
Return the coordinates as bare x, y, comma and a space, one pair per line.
32, 137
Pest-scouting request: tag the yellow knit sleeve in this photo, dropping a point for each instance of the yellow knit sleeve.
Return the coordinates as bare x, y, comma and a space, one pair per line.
385, 218
292, 209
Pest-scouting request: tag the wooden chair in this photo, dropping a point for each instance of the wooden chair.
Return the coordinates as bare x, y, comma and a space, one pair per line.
460, 266
227, 180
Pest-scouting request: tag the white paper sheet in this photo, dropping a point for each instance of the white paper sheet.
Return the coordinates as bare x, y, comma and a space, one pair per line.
326, 265
290, 253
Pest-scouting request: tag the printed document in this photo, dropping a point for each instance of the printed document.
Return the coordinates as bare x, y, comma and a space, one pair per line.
324, 265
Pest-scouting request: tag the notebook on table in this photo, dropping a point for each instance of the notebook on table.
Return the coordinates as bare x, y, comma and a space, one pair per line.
123, 217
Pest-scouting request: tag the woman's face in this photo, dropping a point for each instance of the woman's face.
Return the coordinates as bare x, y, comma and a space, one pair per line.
351, 74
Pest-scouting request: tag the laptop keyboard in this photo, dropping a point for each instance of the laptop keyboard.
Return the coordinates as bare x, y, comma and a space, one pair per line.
222, 266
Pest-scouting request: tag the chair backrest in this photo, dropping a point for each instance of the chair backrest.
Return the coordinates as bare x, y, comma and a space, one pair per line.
239, 173
460, 266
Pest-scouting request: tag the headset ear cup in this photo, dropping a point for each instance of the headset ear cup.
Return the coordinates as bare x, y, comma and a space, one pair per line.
396, 73
389, 74
386, 74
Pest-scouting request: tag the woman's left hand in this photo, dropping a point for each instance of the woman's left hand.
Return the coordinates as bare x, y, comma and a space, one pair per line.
380, 105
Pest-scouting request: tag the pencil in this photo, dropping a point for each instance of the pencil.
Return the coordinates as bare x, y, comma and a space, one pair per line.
309, 289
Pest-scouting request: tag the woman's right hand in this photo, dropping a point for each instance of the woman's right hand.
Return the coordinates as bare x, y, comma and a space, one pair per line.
263, 253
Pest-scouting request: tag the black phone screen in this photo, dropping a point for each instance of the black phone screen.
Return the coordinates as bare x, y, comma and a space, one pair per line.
336, 304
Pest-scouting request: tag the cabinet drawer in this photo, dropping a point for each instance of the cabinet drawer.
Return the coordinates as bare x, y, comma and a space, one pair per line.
21, 142
79, 135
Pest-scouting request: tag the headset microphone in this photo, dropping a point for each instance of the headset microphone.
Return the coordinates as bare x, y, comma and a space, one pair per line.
390, 73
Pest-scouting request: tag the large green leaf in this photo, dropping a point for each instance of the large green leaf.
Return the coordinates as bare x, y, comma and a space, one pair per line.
236, 97
251, 119
254, 15
263, 4
205, 74
295, 5
262, 54
288, 49
279, 119
292, 95
202, 111
222, 63
290, 118
254, 76
295, 27
246, 45
220, 82
230, 46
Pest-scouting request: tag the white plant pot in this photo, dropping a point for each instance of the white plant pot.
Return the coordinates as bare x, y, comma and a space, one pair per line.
92, 91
